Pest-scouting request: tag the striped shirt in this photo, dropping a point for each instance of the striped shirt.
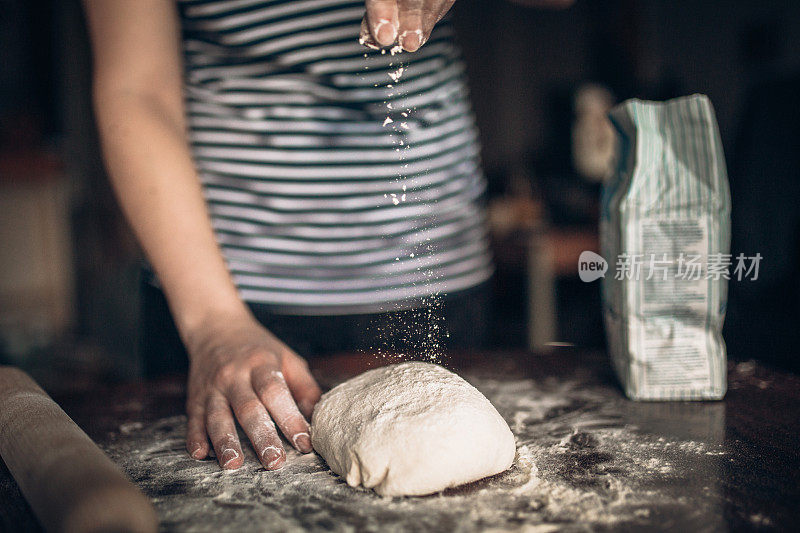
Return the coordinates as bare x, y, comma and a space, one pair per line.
338, 179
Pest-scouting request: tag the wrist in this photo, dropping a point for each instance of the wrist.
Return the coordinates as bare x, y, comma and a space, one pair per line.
199, 318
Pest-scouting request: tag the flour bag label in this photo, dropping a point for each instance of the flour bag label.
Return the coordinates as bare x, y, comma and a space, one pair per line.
665, 230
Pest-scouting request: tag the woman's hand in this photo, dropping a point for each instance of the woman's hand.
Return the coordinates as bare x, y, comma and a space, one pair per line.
239, 369
407, 22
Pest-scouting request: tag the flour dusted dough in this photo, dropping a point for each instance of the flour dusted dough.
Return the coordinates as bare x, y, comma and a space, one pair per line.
410, 429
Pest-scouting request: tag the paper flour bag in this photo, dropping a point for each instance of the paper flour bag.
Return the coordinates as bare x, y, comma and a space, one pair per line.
665, 232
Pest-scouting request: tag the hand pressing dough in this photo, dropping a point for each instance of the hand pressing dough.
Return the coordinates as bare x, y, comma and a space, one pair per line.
410, 429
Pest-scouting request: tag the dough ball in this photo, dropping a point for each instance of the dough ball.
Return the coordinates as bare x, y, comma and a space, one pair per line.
410, 429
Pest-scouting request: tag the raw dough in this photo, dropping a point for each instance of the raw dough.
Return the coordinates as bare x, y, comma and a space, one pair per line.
410, 429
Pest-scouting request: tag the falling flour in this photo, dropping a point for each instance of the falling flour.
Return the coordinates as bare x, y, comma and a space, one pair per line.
428, 316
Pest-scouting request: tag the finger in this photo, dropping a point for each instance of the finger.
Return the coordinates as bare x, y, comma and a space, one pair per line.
271, 388
410, 34
196, 440
432, 15
304, 387
222, 431
256, 422
365, 37
382, 20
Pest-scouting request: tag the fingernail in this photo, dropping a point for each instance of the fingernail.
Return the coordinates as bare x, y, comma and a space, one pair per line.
302, 442
228, 456
411, 40
385, 32
197, 452
273, 457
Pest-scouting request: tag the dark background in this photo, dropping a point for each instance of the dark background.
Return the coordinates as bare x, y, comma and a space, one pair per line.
524, 66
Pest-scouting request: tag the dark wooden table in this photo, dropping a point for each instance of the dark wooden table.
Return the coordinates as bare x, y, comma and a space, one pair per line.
752, 467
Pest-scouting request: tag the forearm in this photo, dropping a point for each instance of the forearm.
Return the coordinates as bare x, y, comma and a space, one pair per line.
154, 178
238, 368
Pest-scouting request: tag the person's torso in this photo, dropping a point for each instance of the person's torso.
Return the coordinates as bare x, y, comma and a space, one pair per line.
338, 179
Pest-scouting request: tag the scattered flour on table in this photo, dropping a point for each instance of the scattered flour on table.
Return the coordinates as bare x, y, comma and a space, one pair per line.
577, 467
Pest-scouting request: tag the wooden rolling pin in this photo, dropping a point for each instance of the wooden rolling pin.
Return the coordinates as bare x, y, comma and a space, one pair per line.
70, 484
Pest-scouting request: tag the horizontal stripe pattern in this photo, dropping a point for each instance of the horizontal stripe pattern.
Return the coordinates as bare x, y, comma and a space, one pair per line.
332, 186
